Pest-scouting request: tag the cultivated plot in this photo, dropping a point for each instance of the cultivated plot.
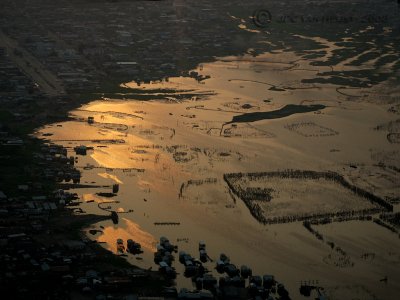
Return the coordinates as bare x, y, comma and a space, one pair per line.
287, 196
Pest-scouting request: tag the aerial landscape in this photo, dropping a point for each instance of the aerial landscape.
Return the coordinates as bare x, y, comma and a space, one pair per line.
183, 149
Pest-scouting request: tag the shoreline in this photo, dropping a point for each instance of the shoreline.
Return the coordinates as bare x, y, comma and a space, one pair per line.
53, 244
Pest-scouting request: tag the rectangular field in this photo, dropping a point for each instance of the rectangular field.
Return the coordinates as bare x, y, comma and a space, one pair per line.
287, 196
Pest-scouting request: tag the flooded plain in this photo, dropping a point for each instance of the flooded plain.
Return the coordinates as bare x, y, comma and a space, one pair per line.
169, 158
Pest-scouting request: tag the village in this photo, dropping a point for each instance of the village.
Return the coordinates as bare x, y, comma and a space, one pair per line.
85, 54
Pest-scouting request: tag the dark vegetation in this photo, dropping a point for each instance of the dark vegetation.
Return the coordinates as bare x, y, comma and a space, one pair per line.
285, 111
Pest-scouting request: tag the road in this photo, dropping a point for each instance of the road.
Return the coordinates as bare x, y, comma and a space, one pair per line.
32, 67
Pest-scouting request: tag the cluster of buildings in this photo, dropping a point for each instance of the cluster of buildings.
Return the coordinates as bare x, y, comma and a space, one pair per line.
42, 253
88, 43
13, 81
16, 89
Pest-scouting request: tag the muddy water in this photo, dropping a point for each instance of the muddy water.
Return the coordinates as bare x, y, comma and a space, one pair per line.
170, 143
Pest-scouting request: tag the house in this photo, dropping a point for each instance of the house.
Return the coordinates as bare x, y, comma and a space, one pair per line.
80, 150
23, 187
74, 245
39, 198
2, 196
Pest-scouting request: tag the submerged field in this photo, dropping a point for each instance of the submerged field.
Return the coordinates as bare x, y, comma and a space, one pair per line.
170, 157
276, 198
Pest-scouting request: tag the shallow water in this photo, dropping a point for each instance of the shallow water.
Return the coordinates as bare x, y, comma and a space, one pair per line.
179, 144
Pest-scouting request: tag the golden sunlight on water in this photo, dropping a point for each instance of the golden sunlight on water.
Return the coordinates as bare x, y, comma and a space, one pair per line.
174, 156
112, 159
175, 83
131, 230
111, 176
93, 197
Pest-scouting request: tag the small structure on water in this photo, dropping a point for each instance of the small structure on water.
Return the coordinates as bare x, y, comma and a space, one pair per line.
167, 270
133, 247
245, 272
80, 150
120, 246
114, 217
